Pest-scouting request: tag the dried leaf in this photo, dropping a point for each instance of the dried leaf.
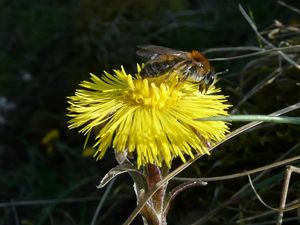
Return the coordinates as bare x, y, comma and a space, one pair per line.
120, 169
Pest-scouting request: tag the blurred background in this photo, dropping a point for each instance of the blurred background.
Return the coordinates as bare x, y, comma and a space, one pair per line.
47, 47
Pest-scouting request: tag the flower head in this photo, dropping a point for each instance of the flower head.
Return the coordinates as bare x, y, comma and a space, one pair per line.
153, 117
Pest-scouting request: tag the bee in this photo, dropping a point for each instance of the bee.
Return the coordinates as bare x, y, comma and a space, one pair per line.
192, 66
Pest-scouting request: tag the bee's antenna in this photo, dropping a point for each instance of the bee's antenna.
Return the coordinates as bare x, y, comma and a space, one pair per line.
222, 72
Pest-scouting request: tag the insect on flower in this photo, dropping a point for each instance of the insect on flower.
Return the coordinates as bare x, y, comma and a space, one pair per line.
192, 66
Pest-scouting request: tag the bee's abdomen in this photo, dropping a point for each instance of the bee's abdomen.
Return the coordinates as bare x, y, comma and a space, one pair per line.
157, 68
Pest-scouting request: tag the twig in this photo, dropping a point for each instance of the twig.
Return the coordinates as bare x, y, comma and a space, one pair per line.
287, 178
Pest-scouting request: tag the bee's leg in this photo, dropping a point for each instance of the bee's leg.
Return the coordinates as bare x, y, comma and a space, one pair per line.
202, 86
183, 78
180, 81
169, 73
180, 68
208, 80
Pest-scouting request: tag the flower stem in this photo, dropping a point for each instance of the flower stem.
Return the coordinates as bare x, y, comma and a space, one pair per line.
156, 203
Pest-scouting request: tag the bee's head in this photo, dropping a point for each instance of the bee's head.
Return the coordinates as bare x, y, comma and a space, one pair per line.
209, 79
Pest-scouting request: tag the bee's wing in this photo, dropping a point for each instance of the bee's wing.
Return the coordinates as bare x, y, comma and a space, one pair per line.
154, 52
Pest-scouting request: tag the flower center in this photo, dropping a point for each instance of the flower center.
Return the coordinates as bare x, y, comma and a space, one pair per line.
155, 92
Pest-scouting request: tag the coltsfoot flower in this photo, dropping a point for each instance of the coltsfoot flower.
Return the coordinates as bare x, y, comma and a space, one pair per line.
152, 118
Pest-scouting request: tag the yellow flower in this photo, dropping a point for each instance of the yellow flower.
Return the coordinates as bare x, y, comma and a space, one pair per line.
152, 118
49, 140
88, 152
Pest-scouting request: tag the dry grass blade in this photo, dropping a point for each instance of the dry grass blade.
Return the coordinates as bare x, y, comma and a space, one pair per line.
108, 189
269, 79
292, 49
15, 213
253, 117
265, 41
237, 175
289, 6
295, 206
233, 49
236, 195
52, 201
267, 213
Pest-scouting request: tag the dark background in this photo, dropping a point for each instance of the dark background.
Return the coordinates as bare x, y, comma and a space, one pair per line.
48, 47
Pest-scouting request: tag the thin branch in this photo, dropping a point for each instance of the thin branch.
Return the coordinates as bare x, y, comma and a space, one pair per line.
286, 183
